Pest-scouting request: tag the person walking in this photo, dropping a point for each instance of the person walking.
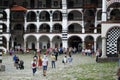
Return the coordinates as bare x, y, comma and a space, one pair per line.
53, 60
14, 59
64, 60
97, 54
56, 54
70, 60
17, 62
34, 66
39, 61
44, 64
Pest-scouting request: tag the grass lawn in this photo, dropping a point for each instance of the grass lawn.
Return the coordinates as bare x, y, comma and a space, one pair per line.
97, 71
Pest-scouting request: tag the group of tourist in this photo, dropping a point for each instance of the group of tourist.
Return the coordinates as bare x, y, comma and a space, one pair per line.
19, 64
41, 62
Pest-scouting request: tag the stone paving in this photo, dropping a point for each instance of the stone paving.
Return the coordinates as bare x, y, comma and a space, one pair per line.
11, 73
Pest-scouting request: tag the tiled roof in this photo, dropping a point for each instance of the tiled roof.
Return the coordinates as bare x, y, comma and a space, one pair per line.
17, 8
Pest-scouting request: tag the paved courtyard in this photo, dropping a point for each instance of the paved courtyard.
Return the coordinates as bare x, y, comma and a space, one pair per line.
11, 73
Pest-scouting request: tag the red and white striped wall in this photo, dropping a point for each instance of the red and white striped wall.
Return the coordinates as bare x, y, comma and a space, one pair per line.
1, 44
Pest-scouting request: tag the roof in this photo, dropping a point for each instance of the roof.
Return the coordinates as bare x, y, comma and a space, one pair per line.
17, 8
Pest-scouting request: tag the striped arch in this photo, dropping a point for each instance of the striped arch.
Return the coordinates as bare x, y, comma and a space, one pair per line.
111, 41
109, 2
1, 42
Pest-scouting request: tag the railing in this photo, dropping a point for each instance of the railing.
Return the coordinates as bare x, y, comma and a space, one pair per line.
74, 31
56, 31
44, 31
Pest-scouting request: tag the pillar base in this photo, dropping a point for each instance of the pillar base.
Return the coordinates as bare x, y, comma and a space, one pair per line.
103, 56
108, 59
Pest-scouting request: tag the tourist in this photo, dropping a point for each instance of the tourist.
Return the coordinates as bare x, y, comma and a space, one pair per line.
53, 60
3, 52
64, 50
39, 61
34, 66
89, 52
83, 51
35, 56
56, 54
21, 64
70, 60
14, 59
44, 64
60, 50
70, 50
86, 52
97, 54
11, 51
74, 50
17, 62
64, 60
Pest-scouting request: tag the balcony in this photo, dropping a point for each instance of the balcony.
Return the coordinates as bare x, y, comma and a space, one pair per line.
44, 31
89, 6
56, 31
70, 31
20, 32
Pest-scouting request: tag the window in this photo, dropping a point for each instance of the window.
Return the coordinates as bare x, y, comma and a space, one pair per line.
55, 16
5, 3
55, 3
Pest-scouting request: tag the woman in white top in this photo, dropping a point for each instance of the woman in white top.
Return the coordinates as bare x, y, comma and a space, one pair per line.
44, 64
65, 60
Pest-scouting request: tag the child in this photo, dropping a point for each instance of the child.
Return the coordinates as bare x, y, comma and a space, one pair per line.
34, 66
65, 60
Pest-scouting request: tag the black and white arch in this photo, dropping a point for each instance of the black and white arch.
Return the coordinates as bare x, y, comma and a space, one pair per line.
113, 36
0, 44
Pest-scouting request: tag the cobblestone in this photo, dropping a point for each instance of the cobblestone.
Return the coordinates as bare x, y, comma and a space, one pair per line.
11, 73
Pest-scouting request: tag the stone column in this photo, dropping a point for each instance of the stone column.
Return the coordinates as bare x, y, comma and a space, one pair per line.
83, 28
51, 18
12, 45
64, 4
24, 45
83, 44
103, 47
64, 42
37, 44
37, 22
8, 19
7, 45
94, 46
95, 30
25, 21
104, 9
51, 44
